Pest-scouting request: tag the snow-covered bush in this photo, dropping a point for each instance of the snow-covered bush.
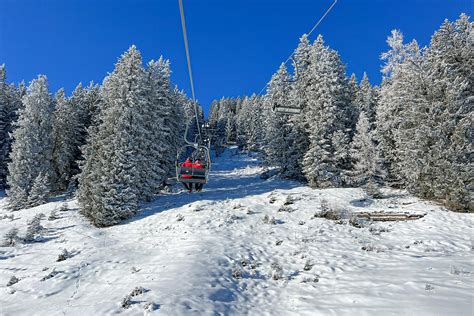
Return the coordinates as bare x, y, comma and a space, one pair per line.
34, 228
53, 216
13, 280
276, 271
64, 208
63, 255
127, 301
236, 272
11, 237
269, 220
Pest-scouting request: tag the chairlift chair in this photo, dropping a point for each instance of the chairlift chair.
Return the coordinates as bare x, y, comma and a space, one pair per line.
189, 174
285, 109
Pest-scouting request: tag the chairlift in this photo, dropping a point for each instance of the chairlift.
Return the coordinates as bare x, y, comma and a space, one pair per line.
192, 174
286, 109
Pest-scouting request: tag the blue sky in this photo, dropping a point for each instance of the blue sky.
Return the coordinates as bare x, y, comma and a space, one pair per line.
235, 45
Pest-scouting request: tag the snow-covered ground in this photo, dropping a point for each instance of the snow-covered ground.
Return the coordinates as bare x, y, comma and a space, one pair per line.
233, 250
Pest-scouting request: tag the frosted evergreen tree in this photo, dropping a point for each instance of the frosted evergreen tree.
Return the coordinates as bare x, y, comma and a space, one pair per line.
110, 186
39, 191
32, 148
4, 121
326, 114
255, 132
393, 101
277, 128
368, 167
366, 99
67, 129
10, 104
162, 122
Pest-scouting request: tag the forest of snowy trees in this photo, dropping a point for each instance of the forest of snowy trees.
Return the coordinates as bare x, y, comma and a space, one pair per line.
414, 131
112, 145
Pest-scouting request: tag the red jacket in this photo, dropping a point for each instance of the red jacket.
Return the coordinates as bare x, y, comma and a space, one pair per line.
187, 164
197, 164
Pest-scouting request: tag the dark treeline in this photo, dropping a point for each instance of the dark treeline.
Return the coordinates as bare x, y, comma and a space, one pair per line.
414, 131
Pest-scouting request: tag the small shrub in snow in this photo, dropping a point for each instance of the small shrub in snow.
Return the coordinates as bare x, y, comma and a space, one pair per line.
267, 220
324, 205
373, 190
332, 213
286, 209
127, 301
11, 237
11, 217
52, 274
64, 208
429, 287
310, 280
290, 200
232, 218
13, 280
179, 217
308, 265
357, 222
53, 216
378, 230
279, 242
236, 272
277, 271
138, 290
150, 306
63, 255
34, 228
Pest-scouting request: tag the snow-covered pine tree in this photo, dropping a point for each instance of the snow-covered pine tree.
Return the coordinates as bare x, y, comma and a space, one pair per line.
447, 86
277, 128
326, 113
162, 122
242, 123
368, 167
366, 99
4, 121
255, 118
392, 102
67, 128
110, 186
10, 103
32, 148
39, 191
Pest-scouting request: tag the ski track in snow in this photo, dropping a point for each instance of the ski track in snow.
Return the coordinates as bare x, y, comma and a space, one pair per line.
184, 249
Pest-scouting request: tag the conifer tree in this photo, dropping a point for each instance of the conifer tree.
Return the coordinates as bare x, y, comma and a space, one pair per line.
110, 186
325, 115
368, 165
32, 148
67, 129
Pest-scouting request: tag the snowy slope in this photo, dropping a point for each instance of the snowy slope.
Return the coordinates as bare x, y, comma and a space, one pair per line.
215, 253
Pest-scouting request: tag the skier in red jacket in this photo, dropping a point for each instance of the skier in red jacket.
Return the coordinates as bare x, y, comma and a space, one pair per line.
188, 163
197, 165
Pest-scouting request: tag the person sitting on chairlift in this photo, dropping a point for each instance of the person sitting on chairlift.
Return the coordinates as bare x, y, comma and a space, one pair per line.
198, 165
188, 163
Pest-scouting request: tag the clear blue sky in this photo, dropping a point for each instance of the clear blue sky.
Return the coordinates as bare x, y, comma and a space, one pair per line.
235, 45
